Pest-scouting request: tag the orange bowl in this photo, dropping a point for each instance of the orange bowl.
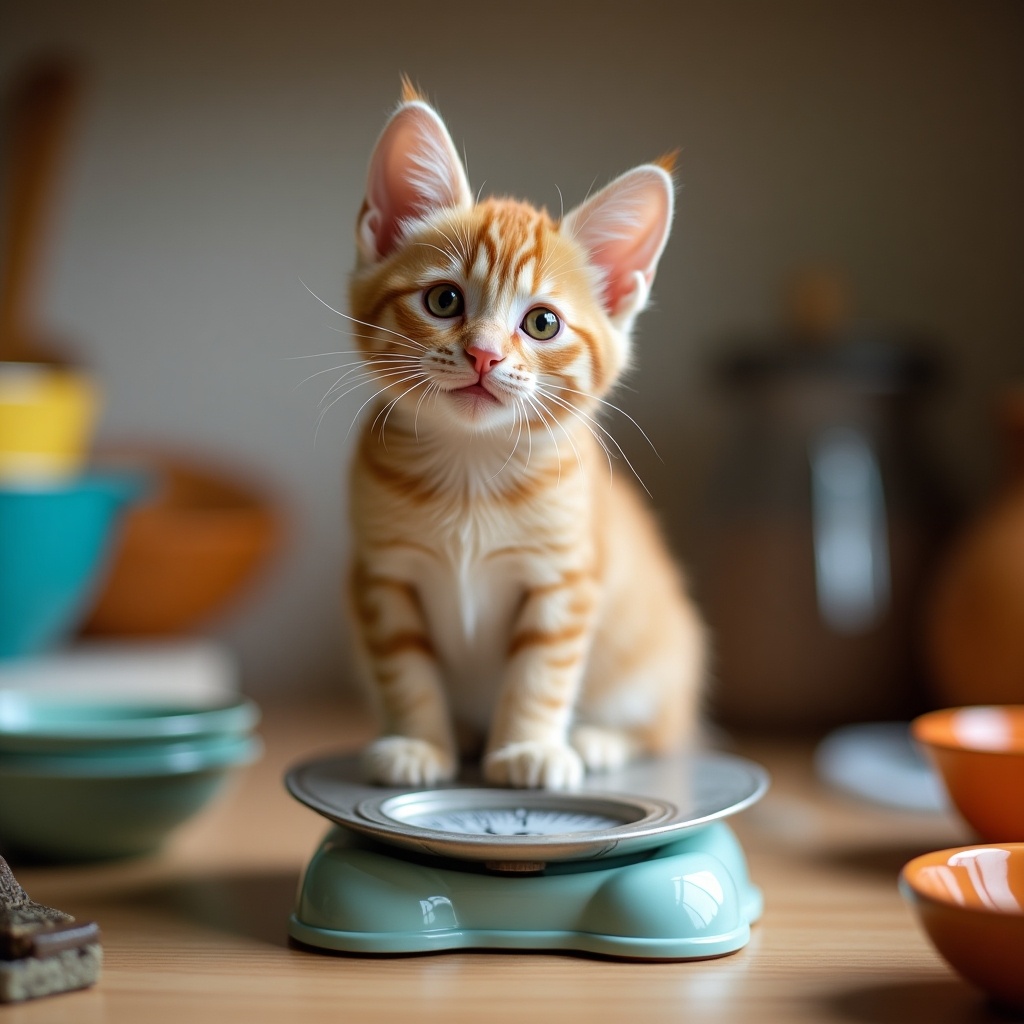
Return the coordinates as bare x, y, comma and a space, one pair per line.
186, 553
979, 751
970, 902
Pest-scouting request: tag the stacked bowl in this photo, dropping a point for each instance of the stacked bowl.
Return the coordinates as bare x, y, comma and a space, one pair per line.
970, 899
92, 779
58, 520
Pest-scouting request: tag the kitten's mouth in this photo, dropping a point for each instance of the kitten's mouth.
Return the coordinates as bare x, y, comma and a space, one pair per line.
476, 391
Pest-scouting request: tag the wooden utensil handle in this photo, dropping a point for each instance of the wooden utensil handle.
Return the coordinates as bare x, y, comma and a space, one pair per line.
40, 112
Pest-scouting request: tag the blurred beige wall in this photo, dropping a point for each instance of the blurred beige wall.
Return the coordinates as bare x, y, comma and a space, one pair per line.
221, 155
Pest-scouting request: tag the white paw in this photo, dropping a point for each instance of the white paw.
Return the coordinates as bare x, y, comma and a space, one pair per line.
534, 765
401, 761
602, 749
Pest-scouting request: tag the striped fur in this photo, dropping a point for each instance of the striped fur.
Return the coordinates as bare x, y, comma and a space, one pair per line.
508, 594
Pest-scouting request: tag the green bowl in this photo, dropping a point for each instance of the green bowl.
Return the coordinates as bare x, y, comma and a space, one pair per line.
43, 723
68, 807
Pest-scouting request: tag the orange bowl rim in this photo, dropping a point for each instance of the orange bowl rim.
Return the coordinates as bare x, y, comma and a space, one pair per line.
921, 724
928, 860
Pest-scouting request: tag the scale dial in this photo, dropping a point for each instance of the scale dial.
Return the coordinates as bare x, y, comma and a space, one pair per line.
520, 829
513, 821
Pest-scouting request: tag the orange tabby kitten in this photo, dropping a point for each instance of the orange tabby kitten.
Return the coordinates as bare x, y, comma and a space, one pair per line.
503, 585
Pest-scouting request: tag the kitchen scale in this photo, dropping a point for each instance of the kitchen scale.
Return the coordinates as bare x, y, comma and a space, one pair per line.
638, 863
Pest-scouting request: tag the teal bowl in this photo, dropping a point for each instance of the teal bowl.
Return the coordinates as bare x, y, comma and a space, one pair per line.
41, 723
72, 807
54, 540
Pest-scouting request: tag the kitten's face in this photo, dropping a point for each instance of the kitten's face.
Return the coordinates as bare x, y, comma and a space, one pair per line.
488, 319
485, 316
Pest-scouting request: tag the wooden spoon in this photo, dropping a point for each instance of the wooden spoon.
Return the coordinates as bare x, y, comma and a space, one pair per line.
40, 112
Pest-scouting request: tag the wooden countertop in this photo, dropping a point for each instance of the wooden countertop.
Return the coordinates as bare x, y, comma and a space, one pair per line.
198, 933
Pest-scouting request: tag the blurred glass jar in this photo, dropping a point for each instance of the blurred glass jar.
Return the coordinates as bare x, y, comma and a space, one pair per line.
824, 517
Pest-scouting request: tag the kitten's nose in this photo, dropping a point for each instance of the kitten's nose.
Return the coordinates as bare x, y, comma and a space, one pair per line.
483, 359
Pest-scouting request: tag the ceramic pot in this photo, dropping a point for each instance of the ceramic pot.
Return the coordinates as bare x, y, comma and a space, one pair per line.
975, 630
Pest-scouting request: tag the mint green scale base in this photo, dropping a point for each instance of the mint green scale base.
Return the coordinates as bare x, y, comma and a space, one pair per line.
688, 900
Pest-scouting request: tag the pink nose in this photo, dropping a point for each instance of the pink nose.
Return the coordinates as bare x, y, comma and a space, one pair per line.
483, 359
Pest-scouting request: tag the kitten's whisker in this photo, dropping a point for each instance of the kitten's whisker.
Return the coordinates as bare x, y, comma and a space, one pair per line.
443, 252
463, 235
369, 373
416, 418
553, 270
590, 214
579, 413
543, 419
327, 408
512, 451
597, 437
562, 387
329, 369
362, 323
386, 387
321, 355
568, 437
347, 387
529, 431
390, 406
582, 416
593, 426
448, 239
415, 346
392, 361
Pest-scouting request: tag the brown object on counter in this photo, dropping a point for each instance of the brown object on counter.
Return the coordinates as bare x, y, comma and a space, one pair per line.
975, 630
185, 553
39, 115
43, 951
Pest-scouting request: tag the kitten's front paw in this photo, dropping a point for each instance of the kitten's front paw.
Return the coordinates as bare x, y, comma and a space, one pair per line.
533, 765
603, 749
402, 761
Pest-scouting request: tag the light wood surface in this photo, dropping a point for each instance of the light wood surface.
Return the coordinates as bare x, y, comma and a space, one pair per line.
198, 933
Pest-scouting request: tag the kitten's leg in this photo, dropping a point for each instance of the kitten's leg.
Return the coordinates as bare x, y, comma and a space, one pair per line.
528, 743
418, 747
641, 694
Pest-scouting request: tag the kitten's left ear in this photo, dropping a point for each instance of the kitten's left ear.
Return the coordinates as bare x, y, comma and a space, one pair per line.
414, 171
623, 230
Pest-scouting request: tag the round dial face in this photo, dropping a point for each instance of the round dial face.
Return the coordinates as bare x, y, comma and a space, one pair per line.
512, 821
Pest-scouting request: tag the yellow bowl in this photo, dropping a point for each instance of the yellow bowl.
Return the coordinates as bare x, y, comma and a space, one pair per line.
979, 751
46, 421
970, 902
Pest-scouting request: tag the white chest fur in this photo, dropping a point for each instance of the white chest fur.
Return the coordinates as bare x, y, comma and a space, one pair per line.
472, 556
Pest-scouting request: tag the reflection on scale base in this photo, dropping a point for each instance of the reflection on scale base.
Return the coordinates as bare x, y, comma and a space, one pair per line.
689, 899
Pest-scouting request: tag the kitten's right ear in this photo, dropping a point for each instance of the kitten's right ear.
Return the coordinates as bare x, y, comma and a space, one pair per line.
414, 171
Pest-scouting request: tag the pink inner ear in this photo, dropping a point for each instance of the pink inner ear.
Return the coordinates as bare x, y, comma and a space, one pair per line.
624, 229
622, 258
414, 171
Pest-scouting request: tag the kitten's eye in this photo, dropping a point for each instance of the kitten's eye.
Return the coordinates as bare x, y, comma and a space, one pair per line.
444, 300
541, 324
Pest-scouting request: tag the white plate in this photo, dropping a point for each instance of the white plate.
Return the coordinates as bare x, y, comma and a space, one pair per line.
878, 761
